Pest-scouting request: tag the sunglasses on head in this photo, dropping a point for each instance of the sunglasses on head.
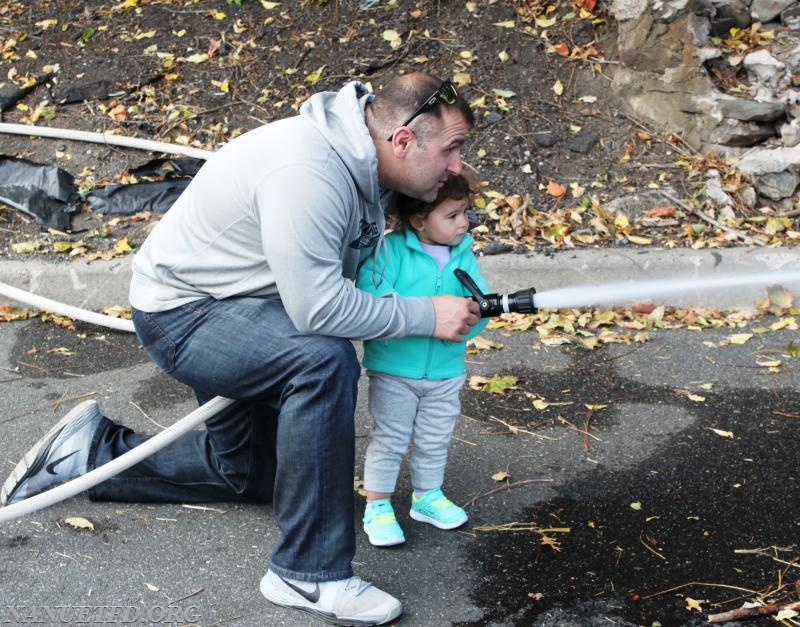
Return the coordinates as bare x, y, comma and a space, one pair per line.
447, 92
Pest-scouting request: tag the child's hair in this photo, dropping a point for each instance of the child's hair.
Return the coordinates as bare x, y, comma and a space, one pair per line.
457, 187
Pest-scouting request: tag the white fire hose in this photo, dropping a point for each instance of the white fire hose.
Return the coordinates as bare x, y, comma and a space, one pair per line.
115, 466
155, 443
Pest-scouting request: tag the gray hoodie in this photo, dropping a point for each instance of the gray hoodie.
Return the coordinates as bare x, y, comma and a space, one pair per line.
285, 211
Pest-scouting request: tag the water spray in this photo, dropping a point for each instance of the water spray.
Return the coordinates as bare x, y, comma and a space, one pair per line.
622, 293
529, 301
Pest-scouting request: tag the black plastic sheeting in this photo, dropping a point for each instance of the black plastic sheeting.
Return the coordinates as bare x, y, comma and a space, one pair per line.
48, 193
45, 192
155, 196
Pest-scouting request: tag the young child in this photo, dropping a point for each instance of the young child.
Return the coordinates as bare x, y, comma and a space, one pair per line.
414, 382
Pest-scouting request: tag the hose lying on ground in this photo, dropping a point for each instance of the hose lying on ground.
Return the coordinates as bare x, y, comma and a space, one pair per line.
103, 138
115, 466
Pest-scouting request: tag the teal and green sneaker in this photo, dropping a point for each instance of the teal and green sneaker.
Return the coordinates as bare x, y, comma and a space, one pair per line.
435, 508
381, 525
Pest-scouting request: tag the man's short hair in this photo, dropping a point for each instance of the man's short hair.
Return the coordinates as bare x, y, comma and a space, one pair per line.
402, 96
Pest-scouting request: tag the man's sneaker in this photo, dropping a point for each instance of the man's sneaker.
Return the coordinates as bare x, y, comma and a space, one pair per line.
343, 602
435, 508
381, 525
61, 455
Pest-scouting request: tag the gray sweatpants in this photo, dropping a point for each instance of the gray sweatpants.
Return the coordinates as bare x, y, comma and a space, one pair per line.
420, 412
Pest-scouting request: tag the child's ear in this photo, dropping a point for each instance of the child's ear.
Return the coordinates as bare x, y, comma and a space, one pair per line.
417, 222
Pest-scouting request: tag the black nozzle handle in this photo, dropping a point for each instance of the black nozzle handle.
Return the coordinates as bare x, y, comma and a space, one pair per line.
472, 287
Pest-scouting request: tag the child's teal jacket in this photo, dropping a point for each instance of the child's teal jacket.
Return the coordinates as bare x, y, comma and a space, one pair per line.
409, 271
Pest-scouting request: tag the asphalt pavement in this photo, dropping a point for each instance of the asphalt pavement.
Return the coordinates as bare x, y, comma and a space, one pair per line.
718, 474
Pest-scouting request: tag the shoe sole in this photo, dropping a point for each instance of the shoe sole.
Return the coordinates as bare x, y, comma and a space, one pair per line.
289, 598
432, 521
32, 461
393, 542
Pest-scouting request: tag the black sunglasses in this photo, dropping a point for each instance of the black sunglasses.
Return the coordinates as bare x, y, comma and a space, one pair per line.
447, 92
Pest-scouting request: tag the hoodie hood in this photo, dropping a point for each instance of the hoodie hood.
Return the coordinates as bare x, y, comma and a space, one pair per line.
339, 116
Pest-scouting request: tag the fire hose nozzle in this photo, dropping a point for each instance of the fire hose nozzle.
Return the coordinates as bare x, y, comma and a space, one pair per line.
496, 304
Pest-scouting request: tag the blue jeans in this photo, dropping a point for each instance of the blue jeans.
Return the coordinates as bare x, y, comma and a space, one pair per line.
289, 438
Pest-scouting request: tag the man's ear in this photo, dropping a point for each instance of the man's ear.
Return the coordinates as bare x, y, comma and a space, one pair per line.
401, 141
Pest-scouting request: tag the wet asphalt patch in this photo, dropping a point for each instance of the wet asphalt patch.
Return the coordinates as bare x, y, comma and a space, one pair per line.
45, 349
709, 514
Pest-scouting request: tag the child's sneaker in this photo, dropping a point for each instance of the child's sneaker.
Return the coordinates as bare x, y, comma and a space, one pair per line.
381, 525
435, 508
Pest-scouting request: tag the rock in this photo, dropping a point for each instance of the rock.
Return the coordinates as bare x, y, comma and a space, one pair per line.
583, 141
748, 196
623, 10
778, 186
766, 73
775, 173
715, 191
729, 132
768, 10
790, 133
750, 110
635, 205
736, 10
721, 106
495, 248
790, 17
545, 139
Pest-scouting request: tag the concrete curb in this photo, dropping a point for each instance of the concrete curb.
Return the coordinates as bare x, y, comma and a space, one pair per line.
98, 284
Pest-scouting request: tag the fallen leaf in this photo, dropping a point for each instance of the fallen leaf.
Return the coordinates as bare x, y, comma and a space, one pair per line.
501, 476
780, 299
79, 522
313, 77
499, 384
636, 505
786, 614
556, 190
694, 605
504, 93
739, 338
561, 49
663, 211
197, 58
643, 308
122, 246
481, 343
151, 587
393, 37
552, 543
721, 433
